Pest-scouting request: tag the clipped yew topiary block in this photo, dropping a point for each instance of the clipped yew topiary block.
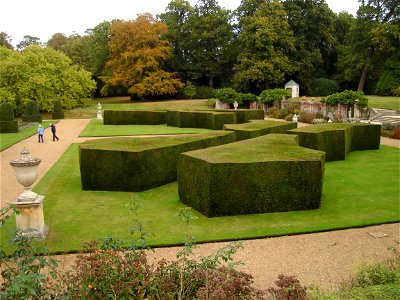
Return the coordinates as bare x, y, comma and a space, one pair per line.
137, 117
200, 119
265, 174
57, 111
259, 127
243, 115
7, 122
32, 113
137, 164
338, 139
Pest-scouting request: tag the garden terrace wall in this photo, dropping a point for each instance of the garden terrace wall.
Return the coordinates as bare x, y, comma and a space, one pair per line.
200, 119
337, 140
270, 173
137, 164
134, 117
259, 127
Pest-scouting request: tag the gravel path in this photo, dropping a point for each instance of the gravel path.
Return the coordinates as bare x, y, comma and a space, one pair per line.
322, 258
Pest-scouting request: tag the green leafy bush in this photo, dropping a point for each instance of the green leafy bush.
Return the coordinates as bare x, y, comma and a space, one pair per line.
204, 92
269, 96
248, 97
324, 87
189, 91
346, 97
227, 95
389, 82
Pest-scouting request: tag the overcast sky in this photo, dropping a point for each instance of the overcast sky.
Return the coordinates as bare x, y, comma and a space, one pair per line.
43, 18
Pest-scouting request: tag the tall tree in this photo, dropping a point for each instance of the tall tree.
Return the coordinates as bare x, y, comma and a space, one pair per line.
176, 17
137, 55
57, 40
211, 36
372, 39
42, 74
5, 40
77, 49
28, 40
313, 26
98, 38
266, 47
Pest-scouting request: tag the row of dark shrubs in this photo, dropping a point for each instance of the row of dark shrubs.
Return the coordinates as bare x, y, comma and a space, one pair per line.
32, 114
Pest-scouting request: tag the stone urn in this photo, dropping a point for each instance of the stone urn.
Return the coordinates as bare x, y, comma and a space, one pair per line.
26, 172
30, 220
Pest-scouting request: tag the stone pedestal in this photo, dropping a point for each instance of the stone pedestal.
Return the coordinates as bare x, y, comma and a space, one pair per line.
30, 220
99, 115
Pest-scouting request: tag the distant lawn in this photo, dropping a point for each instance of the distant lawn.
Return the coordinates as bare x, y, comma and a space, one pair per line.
124, 103
9, 139
362, 190
384, 102
97, 128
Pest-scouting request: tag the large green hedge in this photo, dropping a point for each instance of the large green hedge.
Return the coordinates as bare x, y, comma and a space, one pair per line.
137, 117
278, 175
243, 115
7, 122
259, 127
338, 139
200, 119
137, 164
32, 113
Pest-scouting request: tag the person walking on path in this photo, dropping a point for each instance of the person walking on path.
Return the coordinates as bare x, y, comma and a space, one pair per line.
53, 131
40, 133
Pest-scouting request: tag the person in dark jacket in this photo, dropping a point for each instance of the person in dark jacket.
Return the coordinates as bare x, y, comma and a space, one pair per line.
53, 131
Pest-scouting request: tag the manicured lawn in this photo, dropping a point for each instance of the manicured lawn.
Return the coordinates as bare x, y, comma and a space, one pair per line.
384, 102
362, 190
9, 139
96, 128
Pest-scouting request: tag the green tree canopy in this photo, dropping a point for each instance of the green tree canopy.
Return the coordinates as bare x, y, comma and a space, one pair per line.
5, 40
56, 41
28, 40
372, 38
42, 75
266, 47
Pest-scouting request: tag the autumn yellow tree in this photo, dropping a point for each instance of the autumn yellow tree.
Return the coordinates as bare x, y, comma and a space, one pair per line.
138, 53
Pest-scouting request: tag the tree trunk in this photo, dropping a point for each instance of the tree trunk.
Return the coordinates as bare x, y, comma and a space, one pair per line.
361, 83
363, 78
211, 82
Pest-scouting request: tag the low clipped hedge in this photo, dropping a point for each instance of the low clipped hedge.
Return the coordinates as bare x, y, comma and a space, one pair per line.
244, 115
259, 127
338, 139
136, 164
200, 119
227, 180
134, 117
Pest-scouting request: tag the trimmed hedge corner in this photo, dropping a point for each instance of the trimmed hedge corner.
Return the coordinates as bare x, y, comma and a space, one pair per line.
134, 117
337, 140
265, 174
200, 119
136, 164
259, 127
